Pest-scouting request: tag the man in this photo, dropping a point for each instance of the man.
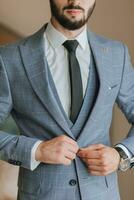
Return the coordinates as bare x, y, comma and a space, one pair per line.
60, 85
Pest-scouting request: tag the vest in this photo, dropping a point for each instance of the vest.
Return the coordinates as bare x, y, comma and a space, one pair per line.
88, 101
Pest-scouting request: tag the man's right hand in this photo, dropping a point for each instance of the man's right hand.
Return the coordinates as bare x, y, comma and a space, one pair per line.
59, 150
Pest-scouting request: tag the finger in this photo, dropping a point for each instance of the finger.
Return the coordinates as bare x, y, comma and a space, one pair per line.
93, 162
96, 173
95, 168
69, 140
84, 152
70, 155
66, 145
93, 147
89, 154
72, 148
66, 161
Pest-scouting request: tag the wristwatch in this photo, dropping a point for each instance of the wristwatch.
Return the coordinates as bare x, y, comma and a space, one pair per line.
125, 162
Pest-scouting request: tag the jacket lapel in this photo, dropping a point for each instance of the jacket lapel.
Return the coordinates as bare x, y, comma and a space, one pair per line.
103, 58
35, 63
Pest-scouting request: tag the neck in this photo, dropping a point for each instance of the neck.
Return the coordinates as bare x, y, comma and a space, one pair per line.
67, 33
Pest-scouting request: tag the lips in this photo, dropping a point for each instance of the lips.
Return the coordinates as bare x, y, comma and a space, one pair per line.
73, 11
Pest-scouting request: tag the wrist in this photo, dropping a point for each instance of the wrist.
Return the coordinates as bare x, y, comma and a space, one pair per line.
124, 163
121, 152
38, 151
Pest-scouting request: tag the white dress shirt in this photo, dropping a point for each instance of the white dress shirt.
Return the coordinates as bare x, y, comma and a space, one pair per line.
57, 59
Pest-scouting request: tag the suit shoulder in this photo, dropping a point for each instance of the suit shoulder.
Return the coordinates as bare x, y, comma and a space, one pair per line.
109, 42
13, 47
9, 50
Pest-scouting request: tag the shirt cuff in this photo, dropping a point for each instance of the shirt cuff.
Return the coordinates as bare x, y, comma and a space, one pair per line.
127, 152
34, 163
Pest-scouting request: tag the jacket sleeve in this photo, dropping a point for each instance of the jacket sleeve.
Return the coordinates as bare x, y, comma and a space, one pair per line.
13, 149
125, 99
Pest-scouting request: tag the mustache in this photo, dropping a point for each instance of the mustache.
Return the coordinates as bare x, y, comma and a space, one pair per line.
73, 7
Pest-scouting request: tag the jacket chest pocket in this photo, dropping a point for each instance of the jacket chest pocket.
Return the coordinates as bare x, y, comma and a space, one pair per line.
110, 94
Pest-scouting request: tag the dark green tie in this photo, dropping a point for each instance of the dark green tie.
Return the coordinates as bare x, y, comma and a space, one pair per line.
75, 79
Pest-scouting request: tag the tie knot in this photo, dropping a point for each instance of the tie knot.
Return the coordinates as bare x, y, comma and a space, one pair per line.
71, 45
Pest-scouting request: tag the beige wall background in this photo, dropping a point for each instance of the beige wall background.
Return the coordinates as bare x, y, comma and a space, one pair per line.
113, 19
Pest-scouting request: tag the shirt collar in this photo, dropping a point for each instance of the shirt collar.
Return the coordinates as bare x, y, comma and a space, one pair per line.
56, 38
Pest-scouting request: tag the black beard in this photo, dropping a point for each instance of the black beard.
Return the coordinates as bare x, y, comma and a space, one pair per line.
64, 21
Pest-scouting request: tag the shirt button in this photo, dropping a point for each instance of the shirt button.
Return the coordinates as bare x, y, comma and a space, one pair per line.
72, 182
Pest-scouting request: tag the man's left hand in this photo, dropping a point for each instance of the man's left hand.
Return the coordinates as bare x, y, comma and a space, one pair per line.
101, 160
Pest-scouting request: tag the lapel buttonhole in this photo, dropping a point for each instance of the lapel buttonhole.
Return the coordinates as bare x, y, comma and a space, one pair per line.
111, 87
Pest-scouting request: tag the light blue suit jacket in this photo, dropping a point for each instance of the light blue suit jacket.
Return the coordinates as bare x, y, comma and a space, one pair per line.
25, 92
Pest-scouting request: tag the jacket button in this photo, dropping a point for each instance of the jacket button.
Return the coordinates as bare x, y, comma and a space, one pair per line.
72, 182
